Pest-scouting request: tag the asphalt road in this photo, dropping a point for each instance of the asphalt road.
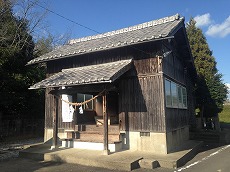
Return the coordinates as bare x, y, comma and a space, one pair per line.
214, 159
210, 159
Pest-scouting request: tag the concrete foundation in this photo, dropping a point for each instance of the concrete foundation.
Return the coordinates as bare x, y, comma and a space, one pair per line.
155, 142
177, 138
123, 160
158, 143
48, 134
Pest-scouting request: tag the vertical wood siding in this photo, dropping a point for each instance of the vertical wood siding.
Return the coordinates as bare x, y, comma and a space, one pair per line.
175, 117
174, 68
141, 105
50, 109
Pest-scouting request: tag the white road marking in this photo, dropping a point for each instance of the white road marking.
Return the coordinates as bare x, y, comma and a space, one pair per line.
203, 159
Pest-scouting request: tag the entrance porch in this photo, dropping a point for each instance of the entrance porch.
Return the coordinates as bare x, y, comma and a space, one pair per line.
82, 104
91, 137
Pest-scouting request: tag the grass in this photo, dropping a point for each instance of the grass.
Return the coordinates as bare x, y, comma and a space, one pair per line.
224, 116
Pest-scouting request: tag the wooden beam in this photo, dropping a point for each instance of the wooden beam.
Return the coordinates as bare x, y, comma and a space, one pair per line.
55, 124
84, 89
105, 119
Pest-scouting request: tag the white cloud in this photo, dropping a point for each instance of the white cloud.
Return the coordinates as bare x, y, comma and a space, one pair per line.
219, 30
228, 85
203, 20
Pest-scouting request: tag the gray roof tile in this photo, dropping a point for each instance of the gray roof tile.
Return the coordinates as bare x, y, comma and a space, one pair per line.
101, 73
148, 31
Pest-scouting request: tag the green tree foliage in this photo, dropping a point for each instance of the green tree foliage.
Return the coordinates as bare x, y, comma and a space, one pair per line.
16, 49
210, 90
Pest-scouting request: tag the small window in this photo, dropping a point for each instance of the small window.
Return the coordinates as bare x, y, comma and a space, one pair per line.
184, 93
175, 95
144, 134
168, 93
180, 97
84, 97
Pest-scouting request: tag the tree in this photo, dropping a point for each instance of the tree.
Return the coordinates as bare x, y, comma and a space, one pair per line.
211, 92
16, 49
22, 38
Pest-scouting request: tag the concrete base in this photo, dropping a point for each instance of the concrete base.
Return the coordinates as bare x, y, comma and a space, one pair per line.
157, 143
123, 160
48, 134
176, 139
149, 164
106, 152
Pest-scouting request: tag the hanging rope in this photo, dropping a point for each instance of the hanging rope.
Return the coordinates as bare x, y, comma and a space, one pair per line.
82, 103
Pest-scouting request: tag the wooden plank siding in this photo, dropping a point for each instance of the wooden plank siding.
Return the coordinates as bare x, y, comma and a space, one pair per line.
141, 101
141, 51
50, 109
141, 106
191, 101
174, 69
178, 118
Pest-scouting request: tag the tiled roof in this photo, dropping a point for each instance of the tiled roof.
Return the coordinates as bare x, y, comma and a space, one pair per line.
101, 73
148, 31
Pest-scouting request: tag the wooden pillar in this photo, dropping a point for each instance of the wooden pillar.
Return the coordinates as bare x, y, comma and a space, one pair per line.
105, 122
55, 124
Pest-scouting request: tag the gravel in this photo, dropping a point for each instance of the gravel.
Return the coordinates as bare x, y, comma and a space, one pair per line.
11, 149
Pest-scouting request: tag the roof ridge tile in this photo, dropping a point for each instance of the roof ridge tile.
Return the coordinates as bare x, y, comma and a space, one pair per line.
127, 29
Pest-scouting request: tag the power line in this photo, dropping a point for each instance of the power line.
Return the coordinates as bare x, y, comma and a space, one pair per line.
68, 19
81, 25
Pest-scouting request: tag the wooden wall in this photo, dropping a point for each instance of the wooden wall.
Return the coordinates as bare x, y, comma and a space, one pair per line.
177, 118
142, 51
50, 109
191, 101
141, 105
174, 69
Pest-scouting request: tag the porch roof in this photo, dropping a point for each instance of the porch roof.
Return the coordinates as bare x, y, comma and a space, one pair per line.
93, 74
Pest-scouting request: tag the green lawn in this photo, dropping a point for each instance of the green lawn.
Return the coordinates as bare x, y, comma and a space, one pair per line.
224, 116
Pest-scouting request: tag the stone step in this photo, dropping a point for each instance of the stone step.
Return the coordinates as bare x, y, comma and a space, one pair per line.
94, 144
98, 137
205, 136
111, 128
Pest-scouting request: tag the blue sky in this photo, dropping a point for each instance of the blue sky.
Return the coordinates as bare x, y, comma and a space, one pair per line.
213, 18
